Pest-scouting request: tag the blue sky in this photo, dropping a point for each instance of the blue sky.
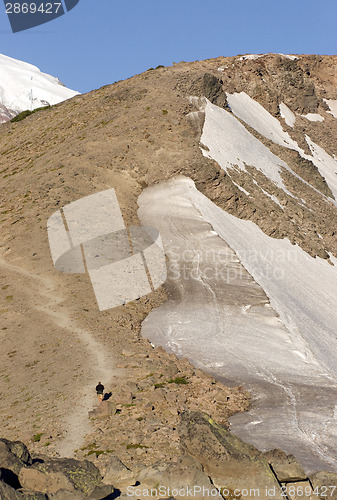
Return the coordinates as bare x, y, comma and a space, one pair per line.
101, 41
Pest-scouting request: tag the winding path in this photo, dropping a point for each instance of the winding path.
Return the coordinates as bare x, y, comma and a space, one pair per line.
76, 424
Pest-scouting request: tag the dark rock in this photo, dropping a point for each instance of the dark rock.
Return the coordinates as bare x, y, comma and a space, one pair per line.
102, 492
212, 89
82, 475
10, 478
230, 462
118, 474
285, 466
19, 449
326, 484
66, 495
9, 460
9, 493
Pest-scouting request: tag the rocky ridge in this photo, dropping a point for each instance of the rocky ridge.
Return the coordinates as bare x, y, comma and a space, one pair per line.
213, 463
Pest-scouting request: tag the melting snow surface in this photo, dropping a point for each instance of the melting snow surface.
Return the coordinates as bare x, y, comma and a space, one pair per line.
257, 117
332, 105
230, 144
327, 166
288, 116
221, 319
23, 86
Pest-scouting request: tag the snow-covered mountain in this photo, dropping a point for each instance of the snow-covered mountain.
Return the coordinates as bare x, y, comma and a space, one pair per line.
23, 86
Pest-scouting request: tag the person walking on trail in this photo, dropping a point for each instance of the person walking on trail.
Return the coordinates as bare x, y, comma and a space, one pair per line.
99, 390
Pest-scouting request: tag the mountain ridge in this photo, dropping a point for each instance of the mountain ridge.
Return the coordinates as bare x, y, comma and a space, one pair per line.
135, 134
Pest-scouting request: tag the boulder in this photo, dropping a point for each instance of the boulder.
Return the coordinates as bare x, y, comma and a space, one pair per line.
66, 495
102, 492
9, 493
36, 480
325, 484
286, 467
82, 476
20, 450
232, 464
118, 474
104, 409
13, 455
43, 478
184, 478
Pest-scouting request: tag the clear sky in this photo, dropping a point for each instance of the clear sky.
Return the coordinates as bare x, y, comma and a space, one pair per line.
101, 41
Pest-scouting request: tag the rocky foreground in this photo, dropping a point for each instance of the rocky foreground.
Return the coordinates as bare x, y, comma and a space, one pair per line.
213, 463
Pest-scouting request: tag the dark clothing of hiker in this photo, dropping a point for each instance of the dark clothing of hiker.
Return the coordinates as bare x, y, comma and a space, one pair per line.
99, 388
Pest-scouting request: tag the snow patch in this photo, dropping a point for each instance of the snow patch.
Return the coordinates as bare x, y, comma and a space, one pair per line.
333, 106
241, 188
257, 117
313, 117
271, 196
230, 144
288, 116
250, 57
327, 166
288, 56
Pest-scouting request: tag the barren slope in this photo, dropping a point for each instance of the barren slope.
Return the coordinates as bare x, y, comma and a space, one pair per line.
127, 136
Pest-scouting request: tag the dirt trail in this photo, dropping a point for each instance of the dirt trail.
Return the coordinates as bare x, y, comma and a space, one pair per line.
75, 424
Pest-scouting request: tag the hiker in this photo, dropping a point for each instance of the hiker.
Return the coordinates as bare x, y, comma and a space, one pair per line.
99, 390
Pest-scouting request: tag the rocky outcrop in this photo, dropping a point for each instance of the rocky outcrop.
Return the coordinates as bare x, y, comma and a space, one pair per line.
13, 456
211, 462
118, 474
212, 89
230, 462
41, 478
235, 466
8, 493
